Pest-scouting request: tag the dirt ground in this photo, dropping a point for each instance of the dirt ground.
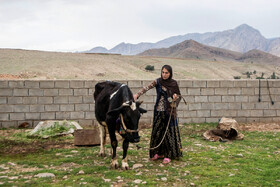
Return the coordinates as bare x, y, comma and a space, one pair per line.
13, 147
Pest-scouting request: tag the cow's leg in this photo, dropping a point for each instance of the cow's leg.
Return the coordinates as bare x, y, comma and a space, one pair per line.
124, 160
114, 145
102, 130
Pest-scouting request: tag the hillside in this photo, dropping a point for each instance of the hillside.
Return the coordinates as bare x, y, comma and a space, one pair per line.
194, 50
29, 64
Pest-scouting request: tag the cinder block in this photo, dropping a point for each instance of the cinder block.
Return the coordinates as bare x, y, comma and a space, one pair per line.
190, 114
4, 117
248, 106
16, 84
248, 91
21, 108
75, 99
215, 99
88, 99
62, 84
201, 99
241, 99
61, 100
81, 107
271, 113
227, 99
77, 115
198, 120
17, 116
46, 84
195, 106
50, 92
199, 83
219, 106
77, 84
78, 92
66, 92
14, 100
240, 83
90, 115
37, 108
6, 92
20, 92
67, 108
45, 100
51, 108
256, 113
243, 113
262, 105
209, 106
193, 91
4, 84
234, 91
3, 100
30, 100
236, 106
33, 116
36, 92
213, 84
62, 115
9, 124
31, 84
253, 83
212, 120
226, 83
185, 83
203, 113
90, 84
221, 91
48, 115
207, 91
6, 108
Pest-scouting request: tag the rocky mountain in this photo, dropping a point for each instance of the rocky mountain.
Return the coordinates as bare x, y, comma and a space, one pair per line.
195, 50
241, 39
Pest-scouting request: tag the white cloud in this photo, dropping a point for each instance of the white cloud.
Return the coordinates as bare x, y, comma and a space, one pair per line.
73, 24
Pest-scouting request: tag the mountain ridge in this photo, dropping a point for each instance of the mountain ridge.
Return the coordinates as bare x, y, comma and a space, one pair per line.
241, 39
195, 50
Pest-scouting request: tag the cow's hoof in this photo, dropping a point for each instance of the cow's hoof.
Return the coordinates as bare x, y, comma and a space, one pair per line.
125, 168
125, 165
102, 154
114, 164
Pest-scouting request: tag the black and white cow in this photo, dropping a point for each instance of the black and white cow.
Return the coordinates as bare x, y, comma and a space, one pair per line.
115, 110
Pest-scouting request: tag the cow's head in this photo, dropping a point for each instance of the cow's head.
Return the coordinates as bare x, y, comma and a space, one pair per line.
131, 113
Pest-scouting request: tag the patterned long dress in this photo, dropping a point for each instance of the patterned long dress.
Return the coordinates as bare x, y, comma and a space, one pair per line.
171, 146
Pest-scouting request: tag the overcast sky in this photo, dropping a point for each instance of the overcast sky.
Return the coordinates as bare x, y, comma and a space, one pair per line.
71, 25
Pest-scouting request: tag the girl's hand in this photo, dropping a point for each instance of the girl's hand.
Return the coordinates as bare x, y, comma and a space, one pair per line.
175, 97
135, 97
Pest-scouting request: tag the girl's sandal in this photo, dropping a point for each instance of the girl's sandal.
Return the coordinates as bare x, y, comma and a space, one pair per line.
166, 160
157, 157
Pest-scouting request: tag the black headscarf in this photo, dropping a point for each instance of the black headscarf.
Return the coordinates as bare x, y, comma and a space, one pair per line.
170, 84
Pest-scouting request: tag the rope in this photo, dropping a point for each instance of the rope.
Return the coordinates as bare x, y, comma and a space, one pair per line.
125, 128
165, 130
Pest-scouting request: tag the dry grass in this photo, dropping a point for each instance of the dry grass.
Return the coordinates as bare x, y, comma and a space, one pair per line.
57, 65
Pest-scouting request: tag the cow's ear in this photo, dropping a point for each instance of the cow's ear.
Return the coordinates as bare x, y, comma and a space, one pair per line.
142, 111
138, 103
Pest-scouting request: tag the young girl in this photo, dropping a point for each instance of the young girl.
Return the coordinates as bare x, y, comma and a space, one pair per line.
165, 144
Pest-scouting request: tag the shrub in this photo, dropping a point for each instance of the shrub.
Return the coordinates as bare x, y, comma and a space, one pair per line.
237, 77
150, 68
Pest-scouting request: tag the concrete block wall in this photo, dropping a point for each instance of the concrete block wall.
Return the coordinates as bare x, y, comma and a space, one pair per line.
207, 101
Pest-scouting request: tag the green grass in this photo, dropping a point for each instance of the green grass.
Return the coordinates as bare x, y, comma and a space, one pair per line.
253, 161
